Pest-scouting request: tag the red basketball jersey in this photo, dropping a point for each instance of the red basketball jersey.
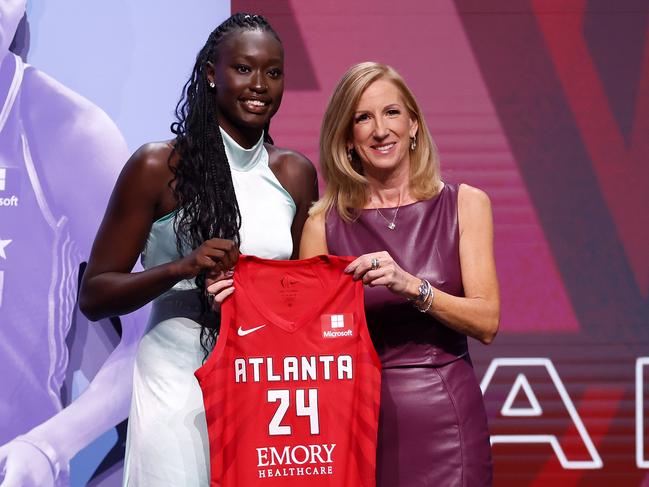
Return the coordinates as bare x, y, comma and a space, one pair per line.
291, 389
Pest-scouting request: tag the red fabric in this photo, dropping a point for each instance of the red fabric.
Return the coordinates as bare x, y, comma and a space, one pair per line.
292, 387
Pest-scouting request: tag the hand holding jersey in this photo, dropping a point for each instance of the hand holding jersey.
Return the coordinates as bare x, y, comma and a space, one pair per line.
212, 257
380, 269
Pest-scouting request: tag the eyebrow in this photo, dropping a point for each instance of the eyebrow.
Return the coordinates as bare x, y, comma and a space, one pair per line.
386, 107
251, 57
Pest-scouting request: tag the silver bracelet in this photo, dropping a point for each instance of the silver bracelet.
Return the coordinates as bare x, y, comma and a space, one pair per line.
430, 302
424, 301
60, 468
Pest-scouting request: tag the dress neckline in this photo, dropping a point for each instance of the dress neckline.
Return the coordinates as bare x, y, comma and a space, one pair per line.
410, 205
240, 158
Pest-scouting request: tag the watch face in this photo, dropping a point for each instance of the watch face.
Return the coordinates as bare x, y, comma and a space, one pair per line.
424, 290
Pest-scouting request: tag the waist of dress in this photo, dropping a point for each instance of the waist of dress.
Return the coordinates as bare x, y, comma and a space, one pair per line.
181, 303
404, 337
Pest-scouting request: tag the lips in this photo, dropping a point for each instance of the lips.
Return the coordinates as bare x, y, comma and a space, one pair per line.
255, 105
383, 148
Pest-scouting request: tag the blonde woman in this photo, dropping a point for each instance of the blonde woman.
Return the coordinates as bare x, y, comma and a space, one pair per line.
426, 256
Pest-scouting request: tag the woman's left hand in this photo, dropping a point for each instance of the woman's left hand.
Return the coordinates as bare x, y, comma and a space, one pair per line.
380, 269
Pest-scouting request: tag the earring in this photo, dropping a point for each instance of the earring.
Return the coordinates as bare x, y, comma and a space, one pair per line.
212, 85
349, 154
413, 143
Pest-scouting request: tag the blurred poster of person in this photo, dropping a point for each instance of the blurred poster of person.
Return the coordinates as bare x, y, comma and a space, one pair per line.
67, 383
59, 156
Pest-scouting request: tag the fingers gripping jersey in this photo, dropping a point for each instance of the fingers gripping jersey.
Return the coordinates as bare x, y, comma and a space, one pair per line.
291, 389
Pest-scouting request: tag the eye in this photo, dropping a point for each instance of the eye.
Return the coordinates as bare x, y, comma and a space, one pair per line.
393, 112
241, 68
361, 118
275, 73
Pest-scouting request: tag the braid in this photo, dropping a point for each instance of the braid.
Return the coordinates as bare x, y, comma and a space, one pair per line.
202, 182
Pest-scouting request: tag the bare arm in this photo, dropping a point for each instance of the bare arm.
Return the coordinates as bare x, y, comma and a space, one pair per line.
141, 195
84, 150
477, 314
314, 239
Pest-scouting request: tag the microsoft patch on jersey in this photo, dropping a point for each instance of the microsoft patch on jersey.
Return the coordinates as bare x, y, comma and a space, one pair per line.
338, 325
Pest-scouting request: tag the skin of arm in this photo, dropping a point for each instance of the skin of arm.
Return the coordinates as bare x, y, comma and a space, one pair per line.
82, 137
314, 240
80, 149
477, 314
141, 196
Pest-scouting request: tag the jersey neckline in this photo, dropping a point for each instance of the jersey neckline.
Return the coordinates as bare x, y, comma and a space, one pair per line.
275, 319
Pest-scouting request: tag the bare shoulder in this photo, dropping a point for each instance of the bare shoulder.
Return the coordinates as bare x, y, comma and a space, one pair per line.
474, 207
314, 227
316, 221
297, 175
149, 165
152, 157
289, 161
470, 196
471, 199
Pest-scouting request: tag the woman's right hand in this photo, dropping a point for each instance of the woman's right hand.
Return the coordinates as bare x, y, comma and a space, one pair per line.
212, 257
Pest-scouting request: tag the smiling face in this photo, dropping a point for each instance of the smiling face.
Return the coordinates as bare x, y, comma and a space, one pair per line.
381, 129
249, 78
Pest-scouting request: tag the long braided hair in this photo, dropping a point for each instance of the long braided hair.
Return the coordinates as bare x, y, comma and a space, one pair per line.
202, 182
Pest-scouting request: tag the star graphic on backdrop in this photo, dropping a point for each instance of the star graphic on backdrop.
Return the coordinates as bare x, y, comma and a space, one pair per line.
3, 244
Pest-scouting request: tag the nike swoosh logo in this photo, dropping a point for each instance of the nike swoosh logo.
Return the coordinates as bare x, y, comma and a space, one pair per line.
242, 333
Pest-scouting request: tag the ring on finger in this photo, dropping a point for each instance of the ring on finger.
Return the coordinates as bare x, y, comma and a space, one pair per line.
374, 263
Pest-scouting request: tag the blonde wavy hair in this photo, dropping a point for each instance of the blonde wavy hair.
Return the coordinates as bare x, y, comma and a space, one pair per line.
347, 188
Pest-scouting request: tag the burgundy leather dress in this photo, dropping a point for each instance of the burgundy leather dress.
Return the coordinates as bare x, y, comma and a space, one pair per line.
433, 425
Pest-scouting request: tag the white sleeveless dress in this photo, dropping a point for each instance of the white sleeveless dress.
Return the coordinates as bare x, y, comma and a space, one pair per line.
167, 441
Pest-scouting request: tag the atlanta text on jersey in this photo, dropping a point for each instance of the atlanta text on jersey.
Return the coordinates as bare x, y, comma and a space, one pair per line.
293, 368
290, 461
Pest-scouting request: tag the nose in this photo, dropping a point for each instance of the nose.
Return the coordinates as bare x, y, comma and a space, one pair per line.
258, 82
380, 129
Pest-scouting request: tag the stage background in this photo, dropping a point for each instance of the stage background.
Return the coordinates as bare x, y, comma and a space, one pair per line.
544, 104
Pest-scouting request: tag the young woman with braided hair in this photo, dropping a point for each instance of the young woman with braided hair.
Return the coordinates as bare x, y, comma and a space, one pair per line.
189, 206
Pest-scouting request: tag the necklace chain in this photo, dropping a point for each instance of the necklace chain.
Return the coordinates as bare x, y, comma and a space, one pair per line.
391, 223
